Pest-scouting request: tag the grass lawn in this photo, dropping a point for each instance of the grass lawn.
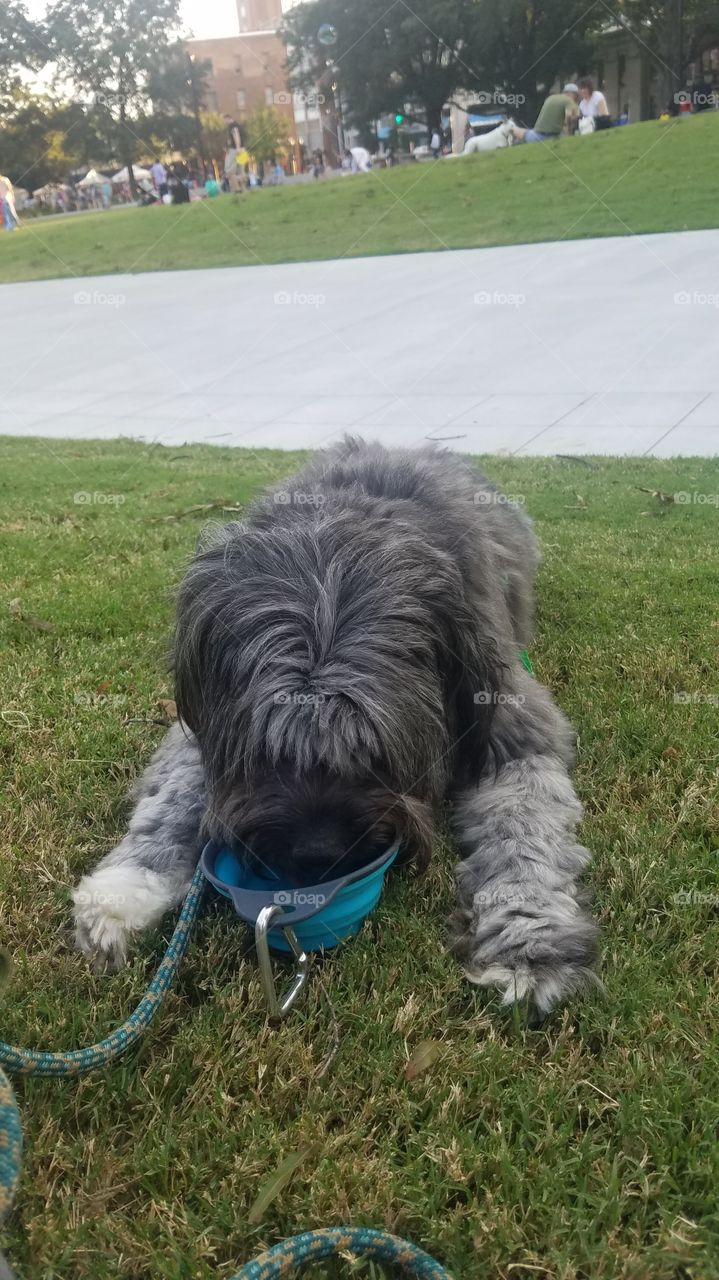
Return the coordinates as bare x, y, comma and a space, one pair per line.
642, 178
581, 1151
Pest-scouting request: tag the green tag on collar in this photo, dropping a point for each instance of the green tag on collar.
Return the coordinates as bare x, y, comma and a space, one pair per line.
526, 661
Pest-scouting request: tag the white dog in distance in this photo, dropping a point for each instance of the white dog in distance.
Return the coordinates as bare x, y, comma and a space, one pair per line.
502, 136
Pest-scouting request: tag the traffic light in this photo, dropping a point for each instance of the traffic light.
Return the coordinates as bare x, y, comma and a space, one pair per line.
398, 117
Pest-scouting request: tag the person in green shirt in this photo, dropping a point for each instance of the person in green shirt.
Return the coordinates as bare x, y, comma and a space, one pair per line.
559, 113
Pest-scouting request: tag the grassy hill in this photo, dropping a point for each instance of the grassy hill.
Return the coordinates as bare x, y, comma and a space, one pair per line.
642, 178
584, 1149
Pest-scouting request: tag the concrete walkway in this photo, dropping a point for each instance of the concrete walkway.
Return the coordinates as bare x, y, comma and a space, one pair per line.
593, 346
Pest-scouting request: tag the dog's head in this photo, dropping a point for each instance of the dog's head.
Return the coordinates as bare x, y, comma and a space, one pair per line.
328, 673
314, 826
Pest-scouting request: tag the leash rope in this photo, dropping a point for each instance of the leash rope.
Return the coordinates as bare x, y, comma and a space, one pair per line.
283, 1258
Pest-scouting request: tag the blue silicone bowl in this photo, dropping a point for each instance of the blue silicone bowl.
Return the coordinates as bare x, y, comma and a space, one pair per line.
321, 915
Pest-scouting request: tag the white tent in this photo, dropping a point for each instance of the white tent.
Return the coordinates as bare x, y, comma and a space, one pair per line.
138, 172
92, 179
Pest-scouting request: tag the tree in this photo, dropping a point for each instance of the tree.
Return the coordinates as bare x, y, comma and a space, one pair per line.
383, 58
266, 134
21, 46
675, 33
214, 131
43, 139
521, 49
108, 49
178, 86
415, 59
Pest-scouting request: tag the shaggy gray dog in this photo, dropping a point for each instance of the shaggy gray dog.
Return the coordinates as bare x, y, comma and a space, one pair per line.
347, 661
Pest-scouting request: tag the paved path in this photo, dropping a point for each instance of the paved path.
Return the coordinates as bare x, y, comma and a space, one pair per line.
601, 346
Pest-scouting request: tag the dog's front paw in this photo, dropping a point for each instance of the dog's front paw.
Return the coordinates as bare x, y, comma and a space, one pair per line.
110, 905
538, 948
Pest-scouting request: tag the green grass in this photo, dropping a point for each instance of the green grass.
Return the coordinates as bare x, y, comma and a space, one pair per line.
581, 1151
642, 178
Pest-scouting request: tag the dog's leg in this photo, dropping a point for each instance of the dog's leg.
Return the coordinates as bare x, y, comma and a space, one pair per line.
521, 925
150, 870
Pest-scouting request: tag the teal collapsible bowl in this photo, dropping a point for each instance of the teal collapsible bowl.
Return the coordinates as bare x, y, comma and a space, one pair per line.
321, 915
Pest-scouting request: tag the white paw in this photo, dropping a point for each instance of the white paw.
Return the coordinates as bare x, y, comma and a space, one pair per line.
536, 950
110, 905
543, 986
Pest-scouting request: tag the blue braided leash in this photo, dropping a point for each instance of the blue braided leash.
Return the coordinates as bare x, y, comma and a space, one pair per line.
281, 1260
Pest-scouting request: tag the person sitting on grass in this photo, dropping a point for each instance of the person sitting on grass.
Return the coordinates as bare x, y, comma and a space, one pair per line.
559, 114
593, 104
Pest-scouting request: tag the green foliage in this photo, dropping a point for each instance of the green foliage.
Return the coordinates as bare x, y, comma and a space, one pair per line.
267, 133
109, 50
385, 59
520, 49
21, 39
214, 132
674, 33
21, 46
177, 82
42, 139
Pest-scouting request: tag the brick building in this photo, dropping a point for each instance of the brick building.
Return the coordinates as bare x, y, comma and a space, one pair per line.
249, 71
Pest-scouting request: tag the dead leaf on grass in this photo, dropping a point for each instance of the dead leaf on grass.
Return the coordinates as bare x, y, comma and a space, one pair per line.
424, 1057
169, 706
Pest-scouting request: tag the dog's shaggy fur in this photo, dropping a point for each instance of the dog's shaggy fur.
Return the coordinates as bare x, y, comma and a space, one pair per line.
347, 661
502, 136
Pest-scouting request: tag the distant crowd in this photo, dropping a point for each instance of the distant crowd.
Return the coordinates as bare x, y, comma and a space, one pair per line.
579, 107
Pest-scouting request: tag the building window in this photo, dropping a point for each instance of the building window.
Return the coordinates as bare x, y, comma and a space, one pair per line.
241, 99
269, 95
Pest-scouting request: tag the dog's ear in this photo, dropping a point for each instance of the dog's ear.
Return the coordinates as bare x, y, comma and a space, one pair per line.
203, 620
473, 677
413, 821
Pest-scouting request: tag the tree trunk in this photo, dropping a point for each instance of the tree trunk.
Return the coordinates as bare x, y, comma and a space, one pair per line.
433, 110
126, 150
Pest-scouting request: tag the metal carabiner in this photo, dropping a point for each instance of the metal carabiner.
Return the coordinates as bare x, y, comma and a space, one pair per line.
278, 1009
